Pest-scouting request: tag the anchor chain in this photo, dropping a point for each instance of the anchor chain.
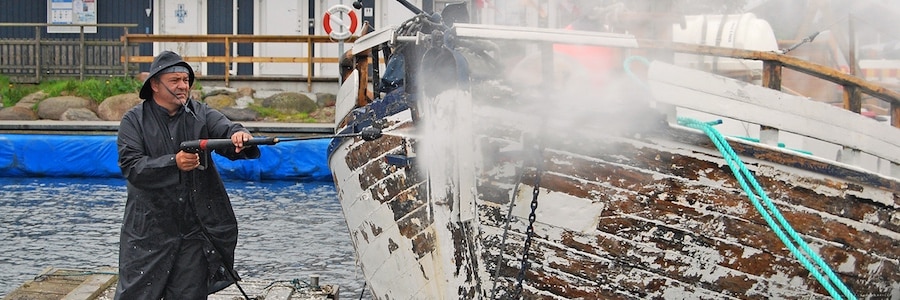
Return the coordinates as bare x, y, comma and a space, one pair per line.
529, 231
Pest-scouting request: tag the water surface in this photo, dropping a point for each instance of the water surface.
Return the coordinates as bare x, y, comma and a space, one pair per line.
287, 230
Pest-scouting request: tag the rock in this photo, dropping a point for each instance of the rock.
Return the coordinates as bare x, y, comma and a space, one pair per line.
17, 113
267, 93
323, 115
325, 99
240, 114
244, 102
220, 101
218, 91
31, 100
79, 114
196, 94
290, 103
114, 107
245, 92
53, 108
142, 76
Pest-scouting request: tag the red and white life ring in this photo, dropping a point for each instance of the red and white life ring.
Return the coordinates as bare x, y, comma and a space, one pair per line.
345, 31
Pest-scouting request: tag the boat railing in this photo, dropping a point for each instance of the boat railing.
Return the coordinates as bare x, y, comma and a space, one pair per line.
773, 64
824, 122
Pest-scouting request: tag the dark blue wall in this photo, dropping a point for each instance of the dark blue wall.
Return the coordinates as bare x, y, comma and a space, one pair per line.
245, 26
220, 19
219, 15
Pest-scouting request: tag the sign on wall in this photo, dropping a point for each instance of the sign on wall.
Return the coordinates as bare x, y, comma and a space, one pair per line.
71, 12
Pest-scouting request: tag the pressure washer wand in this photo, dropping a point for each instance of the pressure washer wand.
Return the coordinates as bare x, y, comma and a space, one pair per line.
195, 146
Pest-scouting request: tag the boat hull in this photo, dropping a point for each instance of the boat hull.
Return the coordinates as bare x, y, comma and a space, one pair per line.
545, 179
621, 213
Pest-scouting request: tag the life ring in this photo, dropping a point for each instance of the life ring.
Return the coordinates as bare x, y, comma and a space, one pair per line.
346, 30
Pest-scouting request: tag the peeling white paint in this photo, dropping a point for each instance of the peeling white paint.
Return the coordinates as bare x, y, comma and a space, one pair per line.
847, 266
559, 210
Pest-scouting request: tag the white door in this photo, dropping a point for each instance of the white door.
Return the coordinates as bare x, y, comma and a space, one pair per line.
181, 17
392, 13
280, 17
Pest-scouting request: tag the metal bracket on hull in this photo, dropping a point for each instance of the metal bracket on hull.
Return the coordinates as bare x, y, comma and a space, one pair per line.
399, 160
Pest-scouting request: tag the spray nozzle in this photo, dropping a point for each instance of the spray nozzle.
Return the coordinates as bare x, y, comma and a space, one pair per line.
370, 133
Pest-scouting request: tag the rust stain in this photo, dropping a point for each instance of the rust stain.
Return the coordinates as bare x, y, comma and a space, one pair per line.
748, 248
675, 194
376, 230
623, 260
415, 222
738, 283
364, 235
404, 204
377, 170
392, 245
362, 153
423, 244
796, 161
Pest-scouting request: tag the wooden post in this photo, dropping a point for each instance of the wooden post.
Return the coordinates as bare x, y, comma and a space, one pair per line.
895, 114
851, 97
37, 56
772, 75
125, 51
81, 63
309, 65
227, 60
771, 79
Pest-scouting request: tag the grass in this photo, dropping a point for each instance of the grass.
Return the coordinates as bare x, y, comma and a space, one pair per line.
96, 89
275, 115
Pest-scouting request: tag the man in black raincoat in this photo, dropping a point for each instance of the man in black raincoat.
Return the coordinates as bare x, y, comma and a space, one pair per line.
179, 231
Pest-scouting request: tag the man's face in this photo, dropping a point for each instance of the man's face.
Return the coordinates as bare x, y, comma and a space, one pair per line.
171, 88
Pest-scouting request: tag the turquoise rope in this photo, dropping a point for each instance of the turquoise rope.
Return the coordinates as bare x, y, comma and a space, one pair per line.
626, 64
780, 145
742, 174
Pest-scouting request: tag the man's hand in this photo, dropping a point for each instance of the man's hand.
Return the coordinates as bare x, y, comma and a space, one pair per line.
238, 138
187, 161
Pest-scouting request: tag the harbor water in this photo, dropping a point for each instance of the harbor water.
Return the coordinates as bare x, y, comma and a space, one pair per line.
287, 230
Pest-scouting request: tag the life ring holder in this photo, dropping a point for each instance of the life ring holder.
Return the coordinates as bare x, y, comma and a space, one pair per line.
347, 30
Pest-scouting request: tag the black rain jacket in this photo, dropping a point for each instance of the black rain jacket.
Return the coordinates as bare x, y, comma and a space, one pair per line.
158, 212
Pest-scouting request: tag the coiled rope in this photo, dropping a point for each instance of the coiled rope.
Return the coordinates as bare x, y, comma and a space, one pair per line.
744, 176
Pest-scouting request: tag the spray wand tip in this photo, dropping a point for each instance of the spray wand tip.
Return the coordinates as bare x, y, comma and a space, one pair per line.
370, 133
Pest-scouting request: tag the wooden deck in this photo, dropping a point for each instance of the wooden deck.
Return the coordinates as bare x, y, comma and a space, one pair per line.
100, 284
69, 284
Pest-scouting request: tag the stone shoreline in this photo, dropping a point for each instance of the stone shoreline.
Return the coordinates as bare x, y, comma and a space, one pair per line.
234, 103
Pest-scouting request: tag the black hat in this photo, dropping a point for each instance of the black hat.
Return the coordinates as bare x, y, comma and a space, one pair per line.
161, 62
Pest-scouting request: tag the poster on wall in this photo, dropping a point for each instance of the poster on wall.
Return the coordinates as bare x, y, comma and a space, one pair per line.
71, 12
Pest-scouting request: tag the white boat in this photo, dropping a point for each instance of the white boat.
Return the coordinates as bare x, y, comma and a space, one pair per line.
510, 167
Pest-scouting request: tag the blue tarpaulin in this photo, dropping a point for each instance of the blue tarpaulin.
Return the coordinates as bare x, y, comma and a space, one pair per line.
46, 155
